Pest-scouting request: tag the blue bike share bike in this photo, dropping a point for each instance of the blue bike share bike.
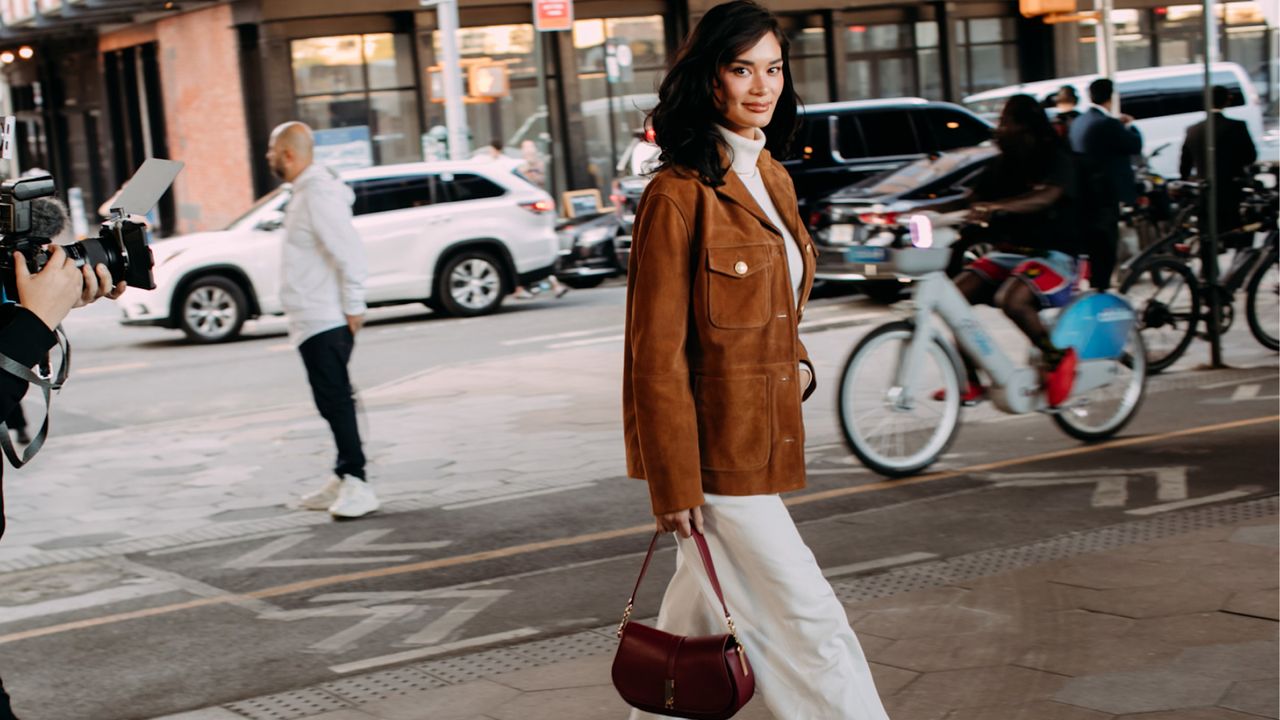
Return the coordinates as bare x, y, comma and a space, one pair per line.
899, 400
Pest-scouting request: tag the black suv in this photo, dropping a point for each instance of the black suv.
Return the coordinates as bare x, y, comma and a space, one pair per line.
838, 144
842, 143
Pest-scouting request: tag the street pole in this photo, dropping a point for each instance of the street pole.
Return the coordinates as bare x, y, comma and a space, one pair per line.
455, 116
1106, 42
1209, 223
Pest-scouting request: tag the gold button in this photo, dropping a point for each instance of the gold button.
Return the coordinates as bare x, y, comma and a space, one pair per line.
740, 268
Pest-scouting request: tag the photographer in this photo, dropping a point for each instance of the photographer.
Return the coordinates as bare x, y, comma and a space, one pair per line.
27, 333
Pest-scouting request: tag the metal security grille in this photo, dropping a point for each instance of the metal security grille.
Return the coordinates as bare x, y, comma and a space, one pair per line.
349, 692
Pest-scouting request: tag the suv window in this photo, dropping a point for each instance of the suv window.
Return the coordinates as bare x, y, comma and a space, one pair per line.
394, 193
465, 186
951, 129
1159, 97
883, 133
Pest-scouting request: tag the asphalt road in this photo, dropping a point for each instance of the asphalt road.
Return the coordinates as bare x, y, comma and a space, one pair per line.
214, 622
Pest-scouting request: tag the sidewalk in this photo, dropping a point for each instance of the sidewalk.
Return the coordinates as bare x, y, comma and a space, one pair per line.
1168, 618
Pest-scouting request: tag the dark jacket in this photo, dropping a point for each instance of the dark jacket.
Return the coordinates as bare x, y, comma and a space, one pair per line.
1234, 153
711, 398
25, 338
1106, 148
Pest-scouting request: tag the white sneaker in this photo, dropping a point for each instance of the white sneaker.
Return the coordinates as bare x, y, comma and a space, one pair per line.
324, 497
355, 499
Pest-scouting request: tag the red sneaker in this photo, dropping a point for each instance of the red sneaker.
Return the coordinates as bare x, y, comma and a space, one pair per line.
1058, 381
970, 396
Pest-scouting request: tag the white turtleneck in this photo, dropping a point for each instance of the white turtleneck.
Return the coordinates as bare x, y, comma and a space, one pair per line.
744, 154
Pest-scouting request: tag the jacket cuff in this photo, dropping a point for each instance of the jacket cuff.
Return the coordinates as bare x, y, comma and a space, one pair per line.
669, 497
35, 338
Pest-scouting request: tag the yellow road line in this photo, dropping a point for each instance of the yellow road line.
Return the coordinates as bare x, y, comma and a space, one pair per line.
528, 548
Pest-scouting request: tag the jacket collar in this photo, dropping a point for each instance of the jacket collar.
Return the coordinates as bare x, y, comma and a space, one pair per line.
774, 182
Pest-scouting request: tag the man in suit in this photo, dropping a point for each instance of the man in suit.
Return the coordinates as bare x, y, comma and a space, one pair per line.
1106, 143
1234, 153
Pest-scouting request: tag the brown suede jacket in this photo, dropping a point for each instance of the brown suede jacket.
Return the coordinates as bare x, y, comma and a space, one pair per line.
711, 396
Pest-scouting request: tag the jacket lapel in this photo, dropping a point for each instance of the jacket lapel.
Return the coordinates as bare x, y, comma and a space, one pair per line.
782, 190
775, 182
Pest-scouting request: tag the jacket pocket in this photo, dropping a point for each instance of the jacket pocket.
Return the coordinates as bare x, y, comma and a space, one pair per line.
738, 286
735, 424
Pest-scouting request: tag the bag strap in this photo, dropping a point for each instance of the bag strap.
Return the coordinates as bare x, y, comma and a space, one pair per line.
705, 552
48, 382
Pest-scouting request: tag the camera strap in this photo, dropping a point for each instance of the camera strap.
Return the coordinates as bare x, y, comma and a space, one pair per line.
47, 381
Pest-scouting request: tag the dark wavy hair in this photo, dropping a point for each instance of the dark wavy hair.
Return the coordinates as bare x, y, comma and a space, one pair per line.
684, 120
1026, 137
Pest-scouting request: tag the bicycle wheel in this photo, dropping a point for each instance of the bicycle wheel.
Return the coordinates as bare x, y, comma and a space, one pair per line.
1103, 412
890, 432
1164, 293
1263, 303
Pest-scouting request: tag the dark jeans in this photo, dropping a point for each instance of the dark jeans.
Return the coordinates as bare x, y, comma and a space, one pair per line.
326, 356
6, 712
1104, 239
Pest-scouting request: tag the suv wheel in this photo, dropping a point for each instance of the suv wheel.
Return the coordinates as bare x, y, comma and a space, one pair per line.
212, 310
470, 284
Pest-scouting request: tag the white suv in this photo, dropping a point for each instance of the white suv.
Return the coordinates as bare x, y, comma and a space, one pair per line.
1163, 101
457, 236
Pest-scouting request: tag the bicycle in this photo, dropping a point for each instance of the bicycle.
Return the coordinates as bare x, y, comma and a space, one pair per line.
888, 410
1168, 290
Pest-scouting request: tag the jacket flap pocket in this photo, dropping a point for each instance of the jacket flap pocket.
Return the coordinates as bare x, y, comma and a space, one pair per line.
738, 262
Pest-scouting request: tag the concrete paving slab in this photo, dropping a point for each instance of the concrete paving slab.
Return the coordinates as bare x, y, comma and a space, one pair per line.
1157, 600
1142, 691
1029, 711
599, 701
1238, 661
1084, 654
1258, 697
1205, 629
1256, 603
978, 687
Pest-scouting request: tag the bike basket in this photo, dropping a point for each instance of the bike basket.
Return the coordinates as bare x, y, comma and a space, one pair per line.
875, 261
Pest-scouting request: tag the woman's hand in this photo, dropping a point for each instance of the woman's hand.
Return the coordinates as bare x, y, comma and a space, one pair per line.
681, 522
806, 377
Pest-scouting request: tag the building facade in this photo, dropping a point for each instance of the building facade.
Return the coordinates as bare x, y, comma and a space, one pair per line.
205, 81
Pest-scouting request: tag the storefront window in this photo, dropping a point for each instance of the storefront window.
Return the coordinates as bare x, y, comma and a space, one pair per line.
988, 53
1132, 35
881, 61
1243, 39
809, 69
621, 62
520, 115
928, 62
358, 92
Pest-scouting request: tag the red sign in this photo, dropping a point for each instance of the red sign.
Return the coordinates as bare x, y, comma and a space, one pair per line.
552, 15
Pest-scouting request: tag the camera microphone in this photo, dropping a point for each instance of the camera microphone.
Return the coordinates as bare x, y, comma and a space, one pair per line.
49, 217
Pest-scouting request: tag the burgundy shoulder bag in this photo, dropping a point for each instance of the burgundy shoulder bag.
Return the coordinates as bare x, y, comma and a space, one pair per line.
701, 678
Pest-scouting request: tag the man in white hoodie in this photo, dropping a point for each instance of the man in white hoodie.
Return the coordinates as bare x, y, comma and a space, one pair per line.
322, 290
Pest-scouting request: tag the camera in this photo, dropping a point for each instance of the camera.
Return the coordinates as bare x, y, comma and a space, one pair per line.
30, 218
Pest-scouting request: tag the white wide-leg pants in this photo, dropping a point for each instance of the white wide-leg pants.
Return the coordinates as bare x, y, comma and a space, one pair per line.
807, 662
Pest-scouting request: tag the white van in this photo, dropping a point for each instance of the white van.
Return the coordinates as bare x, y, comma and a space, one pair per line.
1163, 101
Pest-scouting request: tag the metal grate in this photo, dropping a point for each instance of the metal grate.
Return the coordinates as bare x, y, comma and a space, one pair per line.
382, 685
289, 705
348, 692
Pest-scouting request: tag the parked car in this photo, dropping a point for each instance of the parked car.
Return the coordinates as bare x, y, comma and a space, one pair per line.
876, 212
588, 256
1163, 101
842, 143
457, 236
837, 145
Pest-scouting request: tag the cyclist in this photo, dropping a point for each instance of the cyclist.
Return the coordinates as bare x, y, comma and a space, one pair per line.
1023, 206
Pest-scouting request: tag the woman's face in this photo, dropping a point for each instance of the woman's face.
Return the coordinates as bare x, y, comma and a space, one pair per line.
749, 87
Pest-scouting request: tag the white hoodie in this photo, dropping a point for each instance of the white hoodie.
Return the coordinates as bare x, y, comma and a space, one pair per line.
323, 268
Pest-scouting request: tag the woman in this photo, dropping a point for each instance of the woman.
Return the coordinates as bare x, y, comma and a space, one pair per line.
714, 372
